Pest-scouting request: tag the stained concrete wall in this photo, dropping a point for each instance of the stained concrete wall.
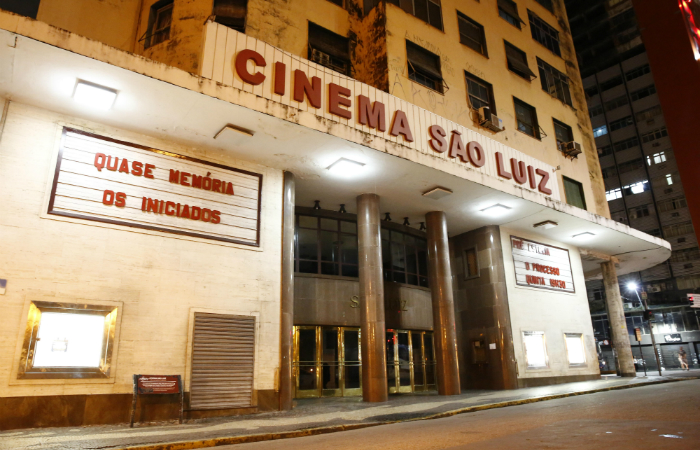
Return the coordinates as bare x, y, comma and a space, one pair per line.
158, 280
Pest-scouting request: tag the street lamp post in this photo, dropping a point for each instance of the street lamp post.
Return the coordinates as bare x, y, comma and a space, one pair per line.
633, 287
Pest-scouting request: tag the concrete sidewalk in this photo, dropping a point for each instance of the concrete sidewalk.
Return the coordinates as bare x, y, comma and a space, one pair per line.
312, 416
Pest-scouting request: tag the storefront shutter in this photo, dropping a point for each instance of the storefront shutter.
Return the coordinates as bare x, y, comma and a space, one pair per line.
223, 350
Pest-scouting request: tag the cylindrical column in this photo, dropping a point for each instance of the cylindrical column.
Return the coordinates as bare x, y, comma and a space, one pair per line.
373, 331
440, 280
616, 317
286, 390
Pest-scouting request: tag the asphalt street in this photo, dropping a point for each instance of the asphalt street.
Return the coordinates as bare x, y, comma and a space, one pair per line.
658, 417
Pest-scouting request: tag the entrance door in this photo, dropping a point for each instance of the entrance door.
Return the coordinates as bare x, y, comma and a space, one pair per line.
410, 361
327, 361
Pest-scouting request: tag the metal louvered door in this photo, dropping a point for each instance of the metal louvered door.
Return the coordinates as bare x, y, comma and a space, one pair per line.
223, 350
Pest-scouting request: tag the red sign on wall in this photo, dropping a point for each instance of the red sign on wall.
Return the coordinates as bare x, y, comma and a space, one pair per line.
158, 384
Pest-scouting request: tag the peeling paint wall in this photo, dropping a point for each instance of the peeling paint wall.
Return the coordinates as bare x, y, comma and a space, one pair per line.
112, 22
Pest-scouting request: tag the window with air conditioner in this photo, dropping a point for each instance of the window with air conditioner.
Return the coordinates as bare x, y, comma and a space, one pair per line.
329, 49
563, 134
480, 93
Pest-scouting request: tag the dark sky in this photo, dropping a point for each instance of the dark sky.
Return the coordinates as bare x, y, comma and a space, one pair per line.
24, 7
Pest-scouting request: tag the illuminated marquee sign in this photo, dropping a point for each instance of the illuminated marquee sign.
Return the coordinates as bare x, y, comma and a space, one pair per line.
234, 59
117, 182
541, 266
690, 10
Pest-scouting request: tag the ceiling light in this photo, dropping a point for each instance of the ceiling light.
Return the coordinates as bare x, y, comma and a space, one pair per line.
632, 286
346, 167
437, 193
496, 210
546, 225
94, 95
586, 235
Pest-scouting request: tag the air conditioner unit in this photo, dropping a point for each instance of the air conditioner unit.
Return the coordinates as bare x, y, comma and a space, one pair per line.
654, 289
488, 120
571, 149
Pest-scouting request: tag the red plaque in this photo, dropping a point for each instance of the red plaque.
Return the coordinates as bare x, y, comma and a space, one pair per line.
158, 384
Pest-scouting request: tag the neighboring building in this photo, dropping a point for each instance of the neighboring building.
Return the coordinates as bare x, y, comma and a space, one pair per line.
226, 216
640, 167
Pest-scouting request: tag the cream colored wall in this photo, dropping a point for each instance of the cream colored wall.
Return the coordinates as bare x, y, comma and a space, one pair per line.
555, 313
455, 58
159, 278
112, 22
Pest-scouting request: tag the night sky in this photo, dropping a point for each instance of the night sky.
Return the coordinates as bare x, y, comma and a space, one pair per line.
24, 7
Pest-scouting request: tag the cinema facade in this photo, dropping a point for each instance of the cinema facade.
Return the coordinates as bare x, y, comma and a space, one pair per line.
269, 230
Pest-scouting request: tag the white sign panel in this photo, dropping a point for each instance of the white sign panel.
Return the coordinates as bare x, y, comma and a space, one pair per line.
541, 266
116, 182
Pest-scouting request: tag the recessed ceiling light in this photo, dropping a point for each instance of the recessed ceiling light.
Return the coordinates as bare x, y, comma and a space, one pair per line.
94, 95
586, 235
346, 167
437, 193
496, 210
546, 225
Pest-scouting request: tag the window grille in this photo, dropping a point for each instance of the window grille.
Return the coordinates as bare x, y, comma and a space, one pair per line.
554, 82
543, 33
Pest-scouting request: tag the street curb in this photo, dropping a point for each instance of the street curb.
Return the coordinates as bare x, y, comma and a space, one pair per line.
232, 440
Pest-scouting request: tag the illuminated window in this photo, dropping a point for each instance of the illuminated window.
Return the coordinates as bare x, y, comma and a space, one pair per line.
535, 349
656, 158
68, 341
575, 350
600, 131
613, 194
669, 179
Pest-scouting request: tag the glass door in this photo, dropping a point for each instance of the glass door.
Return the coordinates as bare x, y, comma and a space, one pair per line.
404, 361
352, 362
330, 362
410, 363
390, 361
306, 361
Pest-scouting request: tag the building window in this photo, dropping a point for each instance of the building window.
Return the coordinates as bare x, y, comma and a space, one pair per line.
526, 118
543, 33
669, 179
535, 349
637, 72
159, 21
424, 67
591, 91
429, 11
686, 254
609, 172
600, 131
547, 5
554, 82
654, 135
471, 34
68, 341
678, 229
329, 49
231, 13
629, 166
643, 92
574, 193
326, 246
605, 150
28, 8
471, 263
689, 282
656, 158
517, 62
595, 111
575, 349
613, 194
508, 10
639, 212
636, 188
480, 93
670, 205
621, 123
616, 103
648, 114
627, 143
611, 83
563, 134
405, 258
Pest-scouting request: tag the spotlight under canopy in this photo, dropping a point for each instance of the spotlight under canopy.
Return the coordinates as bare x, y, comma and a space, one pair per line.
94, 95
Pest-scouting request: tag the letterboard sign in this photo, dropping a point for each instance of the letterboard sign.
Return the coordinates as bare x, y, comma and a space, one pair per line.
105, 180
541, 266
